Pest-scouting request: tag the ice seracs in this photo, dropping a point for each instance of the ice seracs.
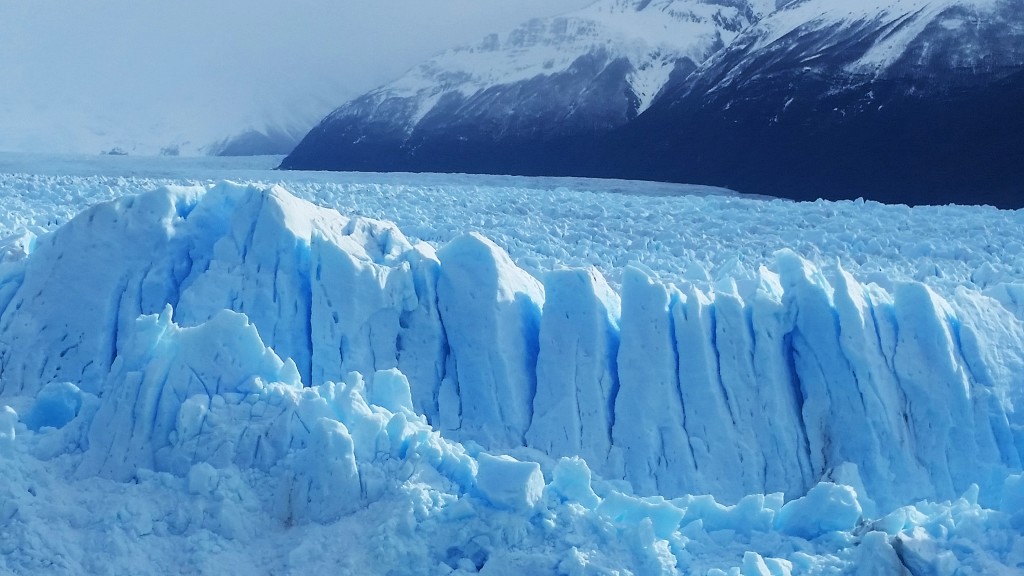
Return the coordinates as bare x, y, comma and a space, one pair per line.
748, 387
577, 379
284, 367
490, 310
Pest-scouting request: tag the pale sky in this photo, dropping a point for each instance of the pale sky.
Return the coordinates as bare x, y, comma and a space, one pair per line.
78, 75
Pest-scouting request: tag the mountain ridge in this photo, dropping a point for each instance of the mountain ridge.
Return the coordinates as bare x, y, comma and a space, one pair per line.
930, 119
586, 72
909, 101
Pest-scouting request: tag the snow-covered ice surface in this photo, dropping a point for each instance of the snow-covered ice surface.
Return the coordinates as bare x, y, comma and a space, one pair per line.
400, 377
677, 231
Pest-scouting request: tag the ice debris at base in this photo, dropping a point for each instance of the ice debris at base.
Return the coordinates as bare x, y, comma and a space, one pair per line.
274, 387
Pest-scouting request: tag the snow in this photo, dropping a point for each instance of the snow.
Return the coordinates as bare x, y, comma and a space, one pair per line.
221, 377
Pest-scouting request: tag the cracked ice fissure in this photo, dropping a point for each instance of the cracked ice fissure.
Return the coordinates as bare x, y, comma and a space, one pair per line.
757, 386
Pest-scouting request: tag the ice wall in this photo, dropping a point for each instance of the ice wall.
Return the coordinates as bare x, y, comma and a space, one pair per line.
773, 381
332, 294
490, 310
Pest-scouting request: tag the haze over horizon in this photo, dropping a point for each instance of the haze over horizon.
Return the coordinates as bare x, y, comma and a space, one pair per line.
139, 76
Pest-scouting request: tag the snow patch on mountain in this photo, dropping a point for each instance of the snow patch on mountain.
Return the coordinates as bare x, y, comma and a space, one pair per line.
889, 27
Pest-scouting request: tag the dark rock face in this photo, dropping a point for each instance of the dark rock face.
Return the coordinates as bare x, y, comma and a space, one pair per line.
962, 145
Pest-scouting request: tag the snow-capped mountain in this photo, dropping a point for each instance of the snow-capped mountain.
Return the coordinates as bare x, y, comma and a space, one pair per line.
580, 74
909, 101
914, 101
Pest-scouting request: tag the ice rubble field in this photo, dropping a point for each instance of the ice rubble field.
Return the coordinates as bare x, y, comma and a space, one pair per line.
227, 379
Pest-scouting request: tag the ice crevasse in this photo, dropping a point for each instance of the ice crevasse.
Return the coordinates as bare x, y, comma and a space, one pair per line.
190, 328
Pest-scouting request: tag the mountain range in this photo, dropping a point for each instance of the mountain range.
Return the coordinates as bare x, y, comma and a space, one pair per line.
910, 101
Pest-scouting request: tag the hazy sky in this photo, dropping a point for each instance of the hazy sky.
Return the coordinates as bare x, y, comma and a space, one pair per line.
77, 74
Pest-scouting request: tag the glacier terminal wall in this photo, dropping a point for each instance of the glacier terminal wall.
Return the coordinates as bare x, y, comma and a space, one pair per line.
766, 382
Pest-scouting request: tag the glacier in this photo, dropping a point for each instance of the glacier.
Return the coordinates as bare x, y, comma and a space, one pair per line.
233, 371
